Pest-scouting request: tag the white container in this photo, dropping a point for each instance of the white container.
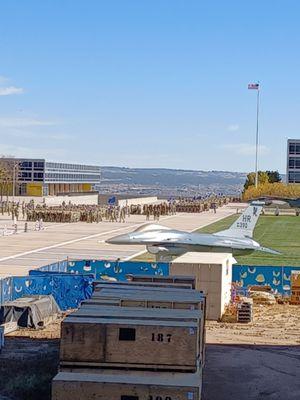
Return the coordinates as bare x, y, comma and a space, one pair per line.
213, 273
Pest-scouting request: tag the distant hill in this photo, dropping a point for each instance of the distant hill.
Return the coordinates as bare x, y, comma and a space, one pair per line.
172, 178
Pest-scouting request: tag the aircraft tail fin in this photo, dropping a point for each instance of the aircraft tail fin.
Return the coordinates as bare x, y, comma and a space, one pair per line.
245, 224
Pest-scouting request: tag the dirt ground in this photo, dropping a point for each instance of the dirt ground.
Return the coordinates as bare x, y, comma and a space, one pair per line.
272, 325
260, 360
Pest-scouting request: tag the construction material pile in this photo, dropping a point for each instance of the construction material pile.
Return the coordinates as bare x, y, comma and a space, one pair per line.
295, 288
134, 340
263, 297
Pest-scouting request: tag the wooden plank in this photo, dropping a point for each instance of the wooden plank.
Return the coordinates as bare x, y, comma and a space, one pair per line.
145, 284
164, 299
138, 313
126, 386
145, 343
167, 279
136, 287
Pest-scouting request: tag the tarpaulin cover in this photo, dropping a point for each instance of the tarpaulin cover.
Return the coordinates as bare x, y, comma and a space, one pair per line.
117, 269
29, 312
68, 290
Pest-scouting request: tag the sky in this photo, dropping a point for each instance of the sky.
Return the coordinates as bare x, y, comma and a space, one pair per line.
152, 83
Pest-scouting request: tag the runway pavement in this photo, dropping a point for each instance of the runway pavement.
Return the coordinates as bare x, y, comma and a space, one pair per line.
24, 251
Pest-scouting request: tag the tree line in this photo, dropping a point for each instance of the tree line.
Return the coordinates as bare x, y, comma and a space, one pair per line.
269, 184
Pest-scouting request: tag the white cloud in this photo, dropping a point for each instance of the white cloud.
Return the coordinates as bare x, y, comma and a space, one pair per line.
6, 91
3, 79
23, 122
245, 149
233, 128
30, 152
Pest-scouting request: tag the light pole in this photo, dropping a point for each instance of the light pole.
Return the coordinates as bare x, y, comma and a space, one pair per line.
255, 86
14, 181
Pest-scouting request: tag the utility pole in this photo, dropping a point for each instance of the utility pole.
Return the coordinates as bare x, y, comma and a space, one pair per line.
256, 86
257, 139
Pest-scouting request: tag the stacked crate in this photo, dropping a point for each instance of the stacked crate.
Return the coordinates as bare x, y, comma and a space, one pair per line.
134, 342
295, 287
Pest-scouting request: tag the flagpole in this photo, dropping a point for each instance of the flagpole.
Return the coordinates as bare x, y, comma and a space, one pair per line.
257, 138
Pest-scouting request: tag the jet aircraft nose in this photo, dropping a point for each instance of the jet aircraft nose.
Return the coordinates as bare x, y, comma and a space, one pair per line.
120, 239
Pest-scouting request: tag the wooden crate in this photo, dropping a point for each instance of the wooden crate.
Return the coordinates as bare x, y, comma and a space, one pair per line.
190, 299
127, 343
295, 279
295, 295
164, 279
96, 310
108, 302
145, 284
138, 286
127, 385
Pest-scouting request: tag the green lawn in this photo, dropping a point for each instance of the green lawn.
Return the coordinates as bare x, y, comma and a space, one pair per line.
279, 233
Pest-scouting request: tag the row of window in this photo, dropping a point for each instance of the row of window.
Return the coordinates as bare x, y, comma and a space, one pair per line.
294, 177
294, 162
30, 164
294, 148
60, 177
75, 167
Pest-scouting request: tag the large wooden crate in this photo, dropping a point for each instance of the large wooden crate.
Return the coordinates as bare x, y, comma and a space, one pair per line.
127, 385
96, 310
164, 279
181, 299
130, 343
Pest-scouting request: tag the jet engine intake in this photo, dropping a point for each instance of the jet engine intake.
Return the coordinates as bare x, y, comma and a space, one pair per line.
170, 251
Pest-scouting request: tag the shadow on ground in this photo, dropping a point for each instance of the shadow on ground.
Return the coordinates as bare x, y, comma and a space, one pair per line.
27, 367
246, 372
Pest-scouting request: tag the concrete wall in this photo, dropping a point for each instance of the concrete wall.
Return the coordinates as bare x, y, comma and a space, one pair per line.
88, 199
138, 200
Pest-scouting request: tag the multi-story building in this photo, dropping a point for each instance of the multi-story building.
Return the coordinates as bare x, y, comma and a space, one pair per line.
293, 161
38, 177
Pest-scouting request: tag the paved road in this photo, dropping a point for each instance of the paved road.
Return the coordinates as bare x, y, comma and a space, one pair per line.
24, 251
237, 372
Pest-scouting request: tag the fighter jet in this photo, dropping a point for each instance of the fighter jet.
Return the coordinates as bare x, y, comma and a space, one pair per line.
162, 241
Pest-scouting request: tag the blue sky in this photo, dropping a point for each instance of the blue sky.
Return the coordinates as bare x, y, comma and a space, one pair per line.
160, 83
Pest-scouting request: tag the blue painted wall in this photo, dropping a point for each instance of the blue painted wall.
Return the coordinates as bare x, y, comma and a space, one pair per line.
277, 277
70, 281
118, 270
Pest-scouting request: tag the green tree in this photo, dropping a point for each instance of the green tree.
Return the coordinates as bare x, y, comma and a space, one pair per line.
274, 176
250, 180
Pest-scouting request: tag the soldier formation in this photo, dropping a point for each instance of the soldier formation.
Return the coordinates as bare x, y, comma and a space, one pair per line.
111, 213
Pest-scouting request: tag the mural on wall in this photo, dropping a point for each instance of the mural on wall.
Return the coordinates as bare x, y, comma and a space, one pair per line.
68, 290
277, 277
118, 270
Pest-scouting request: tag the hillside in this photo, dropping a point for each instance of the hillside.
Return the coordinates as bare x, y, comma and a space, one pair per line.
165, 181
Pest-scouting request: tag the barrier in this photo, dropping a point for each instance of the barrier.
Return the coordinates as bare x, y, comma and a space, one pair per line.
116, 269
70, 281
277, 277
69, 290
